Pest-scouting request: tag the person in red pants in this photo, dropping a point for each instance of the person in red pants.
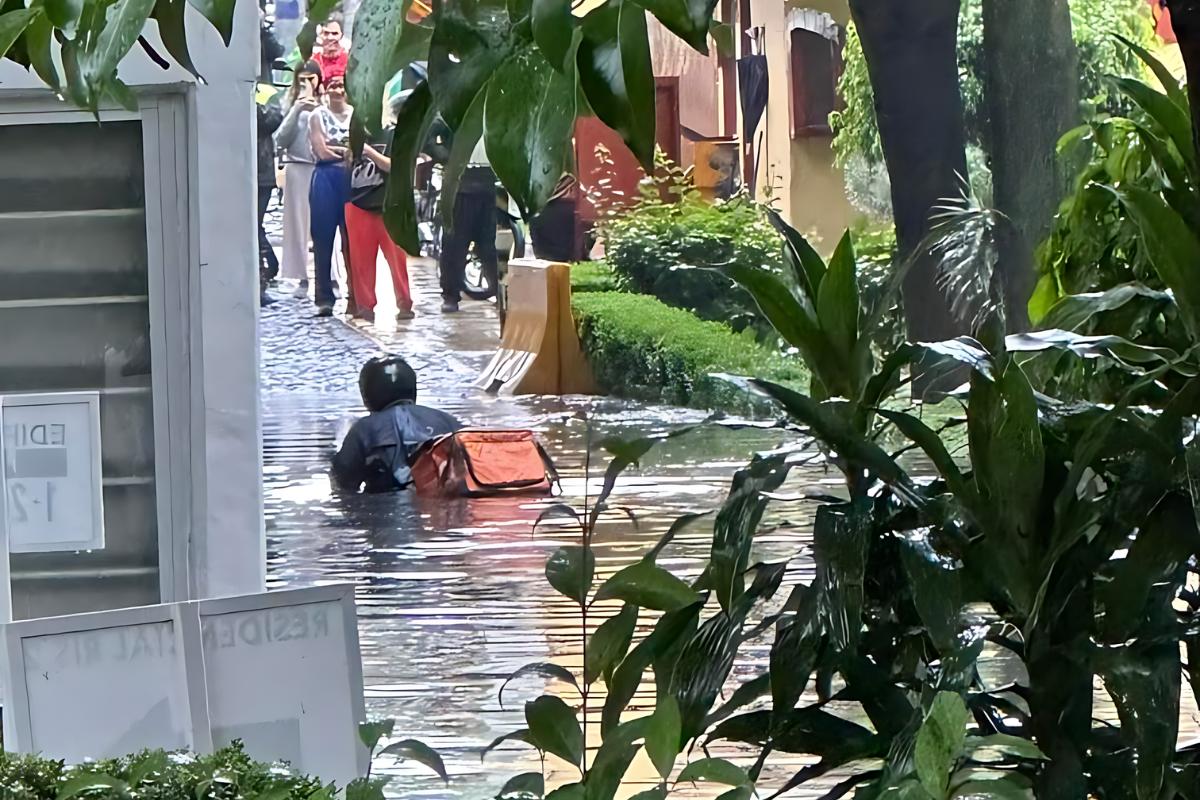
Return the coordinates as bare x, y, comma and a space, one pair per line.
368, 235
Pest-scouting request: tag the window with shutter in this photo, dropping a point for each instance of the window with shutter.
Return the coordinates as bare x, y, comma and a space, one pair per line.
816, 65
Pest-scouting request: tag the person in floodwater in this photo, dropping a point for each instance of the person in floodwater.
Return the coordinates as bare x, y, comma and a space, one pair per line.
375, 454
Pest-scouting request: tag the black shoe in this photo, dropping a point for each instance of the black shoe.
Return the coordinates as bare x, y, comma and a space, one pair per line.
365, 314
265, 300
449, 306
324, 311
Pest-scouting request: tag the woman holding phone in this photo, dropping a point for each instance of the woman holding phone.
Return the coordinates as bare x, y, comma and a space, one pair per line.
299, 162
329, 133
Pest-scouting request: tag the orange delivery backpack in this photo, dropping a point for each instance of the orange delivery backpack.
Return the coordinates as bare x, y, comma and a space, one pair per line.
483, 463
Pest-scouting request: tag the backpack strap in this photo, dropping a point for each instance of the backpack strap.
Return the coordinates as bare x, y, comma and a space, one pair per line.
400, 454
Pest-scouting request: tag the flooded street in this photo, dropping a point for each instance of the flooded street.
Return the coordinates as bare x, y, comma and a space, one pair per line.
452, 595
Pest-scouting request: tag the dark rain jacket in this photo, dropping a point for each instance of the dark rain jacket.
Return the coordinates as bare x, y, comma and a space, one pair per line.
377, 449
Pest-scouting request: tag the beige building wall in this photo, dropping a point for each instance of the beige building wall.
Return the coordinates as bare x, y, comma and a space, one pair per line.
810, 191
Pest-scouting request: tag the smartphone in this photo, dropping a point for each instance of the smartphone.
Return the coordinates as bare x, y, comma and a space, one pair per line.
306, 90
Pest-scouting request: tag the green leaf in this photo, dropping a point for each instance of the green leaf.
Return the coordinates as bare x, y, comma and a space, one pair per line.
555, 729
841, 537
399, 205
722, 36
807, 268
379, 26
937, 594
545, 669
63, 14
678, 525
1164, 75
417, 751
648, 586
662, 735
1173, 119
553, 29
169, 14
469, 132
717, 770
1005, 743
672, 628
608, 645
1173, 247
527, 125
83, 783
123, 24
524, 785
742, 696
657, 793
1075, 311
690, 20
357, 789
613, 759
521, 735
928, 440
837, 299
470, 42
617, 76
220, 14
737, 523
1144, 685
794, 655
39, 37
999, 789
570, 572
371, 732
154, 762
13, 24
571, 791
940, 741
737, 793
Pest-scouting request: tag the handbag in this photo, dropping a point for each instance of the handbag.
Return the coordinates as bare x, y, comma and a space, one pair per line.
483, 463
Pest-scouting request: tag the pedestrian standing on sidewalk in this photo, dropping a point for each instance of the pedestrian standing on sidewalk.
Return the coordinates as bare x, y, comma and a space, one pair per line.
329, 131
331, 54
368, 234
298, 163
474, 222
269, 117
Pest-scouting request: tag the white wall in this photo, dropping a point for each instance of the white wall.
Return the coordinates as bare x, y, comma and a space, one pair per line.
227, 554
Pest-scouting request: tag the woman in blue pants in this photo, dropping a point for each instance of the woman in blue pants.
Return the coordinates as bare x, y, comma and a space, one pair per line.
330, 190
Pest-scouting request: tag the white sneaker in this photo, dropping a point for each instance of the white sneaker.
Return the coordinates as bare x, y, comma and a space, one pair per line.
301, 290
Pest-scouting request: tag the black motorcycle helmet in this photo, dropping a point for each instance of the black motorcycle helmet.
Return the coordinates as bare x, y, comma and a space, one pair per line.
385, 380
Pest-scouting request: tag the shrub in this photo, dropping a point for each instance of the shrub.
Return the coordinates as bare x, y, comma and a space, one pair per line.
646, 246
228, 774
593, 276
642, 349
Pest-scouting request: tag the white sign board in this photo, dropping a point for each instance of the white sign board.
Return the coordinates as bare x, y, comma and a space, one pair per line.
53, 487
285, 677
103, 684
281, 671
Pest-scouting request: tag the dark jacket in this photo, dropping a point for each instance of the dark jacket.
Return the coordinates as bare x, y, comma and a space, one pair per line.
377, 448
269, 117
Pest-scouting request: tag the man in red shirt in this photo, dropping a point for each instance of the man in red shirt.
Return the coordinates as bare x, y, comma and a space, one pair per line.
330, 55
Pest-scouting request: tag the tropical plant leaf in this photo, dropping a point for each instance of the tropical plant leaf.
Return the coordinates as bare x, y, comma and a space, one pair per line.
1073, 312
571, 791
717, 770
841, 535
940, 741
470, 41
528, 121
1004, 743
220, 14
742, 696
399, 205
63, 14
169, 14
1164, 75
794, 654
13, 24
645, 585
837, 299
1174, 249
807, 268
677, 526
553, 29
663, 735
937, 593
570, 572
420, 752
371, 732
521, 735
928, 440
384, 43
122, 25
608, 645
690, 20
555, 729
469, 132
613, 759
616, 74
1173, 119
39, 36
546, 670
672, 628
527, 784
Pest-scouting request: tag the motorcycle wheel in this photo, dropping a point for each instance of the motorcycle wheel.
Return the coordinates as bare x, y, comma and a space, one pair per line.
476, 284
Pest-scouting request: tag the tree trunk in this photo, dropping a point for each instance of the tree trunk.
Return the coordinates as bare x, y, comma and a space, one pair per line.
1031, 88
912, 57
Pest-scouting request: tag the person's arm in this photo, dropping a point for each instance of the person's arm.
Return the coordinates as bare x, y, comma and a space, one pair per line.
381, 161
287, 128
316, 135
348, 471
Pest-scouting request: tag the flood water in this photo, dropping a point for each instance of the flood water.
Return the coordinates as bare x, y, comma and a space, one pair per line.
452, 596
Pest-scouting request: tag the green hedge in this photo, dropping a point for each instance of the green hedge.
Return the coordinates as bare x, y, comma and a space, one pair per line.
593, 276
228, 774
643, 349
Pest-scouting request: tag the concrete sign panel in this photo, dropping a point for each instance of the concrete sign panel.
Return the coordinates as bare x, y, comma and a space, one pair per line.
53, 487
281, 671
